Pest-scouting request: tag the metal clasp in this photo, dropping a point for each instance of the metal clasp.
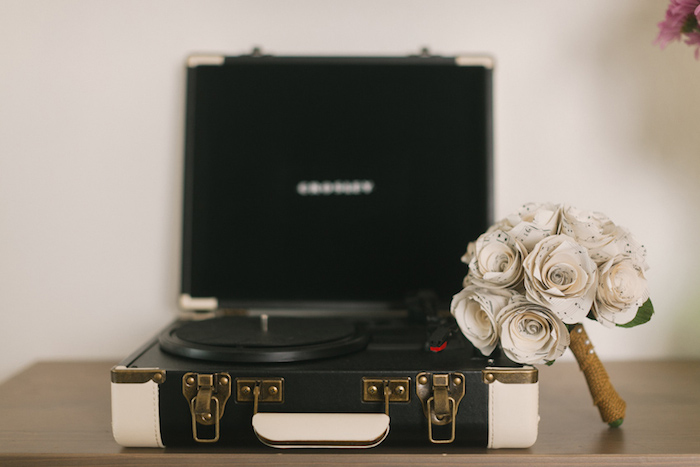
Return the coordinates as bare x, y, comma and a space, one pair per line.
207, 396
258, 390
385, 390
440, 395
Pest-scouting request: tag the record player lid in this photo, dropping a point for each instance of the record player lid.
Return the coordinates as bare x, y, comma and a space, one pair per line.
332, 182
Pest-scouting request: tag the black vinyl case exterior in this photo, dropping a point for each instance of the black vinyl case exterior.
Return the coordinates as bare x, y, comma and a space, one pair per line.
333, 182
330, 187
336, 386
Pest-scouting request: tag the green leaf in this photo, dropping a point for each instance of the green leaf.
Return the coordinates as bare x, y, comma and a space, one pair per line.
643, 315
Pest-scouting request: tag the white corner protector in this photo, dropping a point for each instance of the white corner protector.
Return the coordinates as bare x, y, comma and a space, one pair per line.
197, 60
486, 62
187, 302
135, 414
513, 415
321, 430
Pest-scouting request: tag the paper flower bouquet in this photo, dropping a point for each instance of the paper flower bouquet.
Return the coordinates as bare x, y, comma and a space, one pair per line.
536, 275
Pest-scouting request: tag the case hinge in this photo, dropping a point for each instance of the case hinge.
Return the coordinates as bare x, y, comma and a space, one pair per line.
440, 395
207, 395
258, 390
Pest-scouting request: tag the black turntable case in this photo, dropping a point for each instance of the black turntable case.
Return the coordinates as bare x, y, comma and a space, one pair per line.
327, 204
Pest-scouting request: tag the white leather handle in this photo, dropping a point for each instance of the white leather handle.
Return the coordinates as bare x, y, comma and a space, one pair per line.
321, 430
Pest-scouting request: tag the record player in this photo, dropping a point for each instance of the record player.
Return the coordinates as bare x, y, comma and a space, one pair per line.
327, 203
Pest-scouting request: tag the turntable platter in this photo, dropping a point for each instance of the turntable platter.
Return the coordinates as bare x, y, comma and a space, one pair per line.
249, 339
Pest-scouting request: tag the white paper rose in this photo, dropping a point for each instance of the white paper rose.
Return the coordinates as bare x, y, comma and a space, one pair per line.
475, 309
593, 230
560, 275
531, 223
497, 261
622, 289
628, 246
469, 254
531, 333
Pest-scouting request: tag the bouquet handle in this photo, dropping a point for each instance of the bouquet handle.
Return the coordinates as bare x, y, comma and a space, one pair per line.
608, 401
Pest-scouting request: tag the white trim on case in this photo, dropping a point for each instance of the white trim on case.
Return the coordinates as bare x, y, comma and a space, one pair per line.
196, 60
187, 302
135, 414
513, 415
321, 430
486, 62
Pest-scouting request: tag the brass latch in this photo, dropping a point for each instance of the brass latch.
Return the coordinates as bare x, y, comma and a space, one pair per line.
257, 390
440, 395
207, 395
385, 390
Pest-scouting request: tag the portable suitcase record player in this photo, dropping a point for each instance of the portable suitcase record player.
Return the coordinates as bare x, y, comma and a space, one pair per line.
327, 204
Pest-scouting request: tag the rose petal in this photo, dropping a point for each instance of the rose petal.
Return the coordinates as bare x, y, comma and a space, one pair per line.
560, 275
497, 260
475, 309
531, 333
622, 289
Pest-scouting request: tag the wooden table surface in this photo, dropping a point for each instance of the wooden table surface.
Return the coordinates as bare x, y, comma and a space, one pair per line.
58, 413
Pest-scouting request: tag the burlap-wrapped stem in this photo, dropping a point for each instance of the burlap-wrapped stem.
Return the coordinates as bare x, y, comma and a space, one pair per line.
608, 401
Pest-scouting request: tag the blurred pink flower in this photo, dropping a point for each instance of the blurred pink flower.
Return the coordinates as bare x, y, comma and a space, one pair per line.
682, 18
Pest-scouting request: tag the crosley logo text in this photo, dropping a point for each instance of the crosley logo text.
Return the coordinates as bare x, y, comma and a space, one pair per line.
337, 187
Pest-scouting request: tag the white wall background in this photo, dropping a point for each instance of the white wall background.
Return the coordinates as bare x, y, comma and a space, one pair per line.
588, 112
